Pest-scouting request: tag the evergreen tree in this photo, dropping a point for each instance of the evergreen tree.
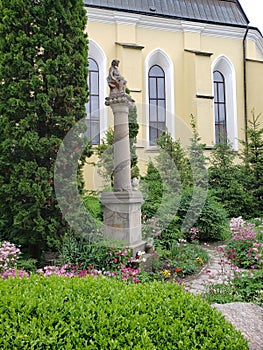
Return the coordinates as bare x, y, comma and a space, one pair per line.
197, 158
253, 163
43, 91
226, 181
173, 163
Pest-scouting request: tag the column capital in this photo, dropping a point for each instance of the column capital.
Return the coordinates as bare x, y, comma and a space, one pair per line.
119, 98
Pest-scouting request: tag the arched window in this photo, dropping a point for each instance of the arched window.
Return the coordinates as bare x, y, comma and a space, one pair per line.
220, 107
93, 105
225, 102
157, 103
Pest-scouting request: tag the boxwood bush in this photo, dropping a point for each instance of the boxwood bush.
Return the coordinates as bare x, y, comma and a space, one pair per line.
89, 313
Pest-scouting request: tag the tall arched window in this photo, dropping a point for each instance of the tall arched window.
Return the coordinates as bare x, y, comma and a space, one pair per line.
225, 101
157, 103
93, 105
220, 107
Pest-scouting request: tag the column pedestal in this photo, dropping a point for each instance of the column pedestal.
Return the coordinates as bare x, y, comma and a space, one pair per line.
122, 218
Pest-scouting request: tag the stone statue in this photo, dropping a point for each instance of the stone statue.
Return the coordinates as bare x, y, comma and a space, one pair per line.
115, 80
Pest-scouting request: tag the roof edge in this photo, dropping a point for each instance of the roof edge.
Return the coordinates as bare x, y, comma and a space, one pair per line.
236, 25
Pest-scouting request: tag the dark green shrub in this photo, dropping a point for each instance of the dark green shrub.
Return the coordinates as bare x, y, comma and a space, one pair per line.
210, 217
88, 313
94, 207
152, 189
212, 221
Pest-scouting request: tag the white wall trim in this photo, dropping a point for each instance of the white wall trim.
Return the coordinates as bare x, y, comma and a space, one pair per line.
96, 52
225, 66
255, 36
160, 57
165, 24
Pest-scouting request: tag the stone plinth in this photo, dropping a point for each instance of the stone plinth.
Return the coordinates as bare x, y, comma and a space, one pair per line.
122, 218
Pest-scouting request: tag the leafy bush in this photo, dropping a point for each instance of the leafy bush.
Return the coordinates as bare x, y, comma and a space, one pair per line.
210, 217
94, 206
89, 313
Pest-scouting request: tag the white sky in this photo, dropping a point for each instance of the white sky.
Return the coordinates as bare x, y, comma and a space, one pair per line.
254, 12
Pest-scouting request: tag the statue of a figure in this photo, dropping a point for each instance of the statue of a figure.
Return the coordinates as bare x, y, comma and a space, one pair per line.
115, 80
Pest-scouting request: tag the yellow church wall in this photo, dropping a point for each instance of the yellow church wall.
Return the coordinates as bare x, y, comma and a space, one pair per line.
192, 55
255, 90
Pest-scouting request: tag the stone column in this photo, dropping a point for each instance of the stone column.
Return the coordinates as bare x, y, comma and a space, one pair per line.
120, 104
122, 207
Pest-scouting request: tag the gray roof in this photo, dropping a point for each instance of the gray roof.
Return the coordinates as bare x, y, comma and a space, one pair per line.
227, 12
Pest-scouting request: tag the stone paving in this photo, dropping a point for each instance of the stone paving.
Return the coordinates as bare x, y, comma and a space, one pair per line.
216, 271
246, 317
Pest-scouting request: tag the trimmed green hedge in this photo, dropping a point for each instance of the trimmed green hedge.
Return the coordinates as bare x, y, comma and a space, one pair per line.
89, 313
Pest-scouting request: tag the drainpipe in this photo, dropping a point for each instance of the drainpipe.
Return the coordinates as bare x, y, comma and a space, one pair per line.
245, 83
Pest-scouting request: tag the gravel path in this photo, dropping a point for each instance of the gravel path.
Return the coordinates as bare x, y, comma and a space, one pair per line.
246, 317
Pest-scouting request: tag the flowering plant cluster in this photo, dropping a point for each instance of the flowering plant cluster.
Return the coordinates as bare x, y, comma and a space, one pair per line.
194, 234
244, 250
117, 262
129, 274
241, 230
116, 257
9, 255
231, 283
75, 271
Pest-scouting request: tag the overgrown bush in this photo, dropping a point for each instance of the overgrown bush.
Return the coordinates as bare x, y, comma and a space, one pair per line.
89, 313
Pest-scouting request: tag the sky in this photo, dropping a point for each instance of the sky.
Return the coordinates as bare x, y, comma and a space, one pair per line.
253, 10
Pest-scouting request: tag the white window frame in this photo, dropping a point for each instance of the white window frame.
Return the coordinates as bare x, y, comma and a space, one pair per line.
226, 68
98, 55
160, 58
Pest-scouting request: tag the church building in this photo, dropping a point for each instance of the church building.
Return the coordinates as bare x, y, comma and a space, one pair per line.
180, 58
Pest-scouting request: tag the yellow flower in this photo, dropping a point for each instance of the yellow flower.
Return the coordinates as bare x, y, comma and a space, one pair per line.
199, 260
166, 273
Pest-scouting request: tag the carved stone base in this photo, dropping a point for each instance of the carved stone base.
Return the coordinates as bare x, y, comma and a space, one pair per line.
122, 218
